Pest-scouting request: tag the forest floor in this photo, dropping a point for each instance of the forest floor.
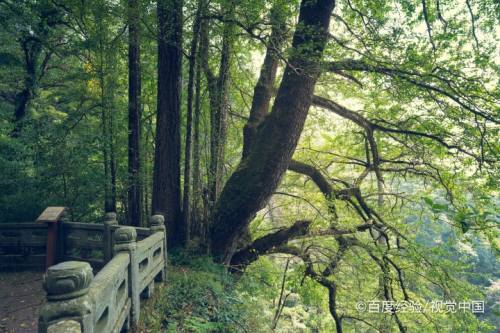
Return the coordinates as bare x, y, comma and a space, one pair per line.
21, 296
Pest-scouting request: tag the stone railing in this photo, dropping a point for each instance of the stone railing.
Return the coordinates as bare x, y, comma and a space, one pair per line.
109, 302
91, 242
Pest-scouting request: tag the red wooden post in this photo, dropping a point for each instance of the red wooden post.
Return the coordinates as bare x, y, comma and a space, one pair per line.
51, 215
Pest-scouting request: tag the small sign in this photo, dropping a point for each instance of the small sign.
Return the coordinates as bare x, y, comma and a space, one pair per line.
51, 214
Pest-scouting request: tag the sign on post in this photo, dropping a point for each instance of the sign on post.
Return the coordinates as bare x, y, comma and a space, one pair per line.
51, 215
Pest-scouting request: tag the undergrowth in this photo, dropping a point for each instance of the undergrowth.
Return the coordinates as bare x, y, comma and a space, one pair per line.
200, 296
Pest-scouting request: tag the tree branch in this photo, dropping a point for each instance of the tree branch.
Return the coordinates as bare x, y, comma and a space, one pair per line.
315, 175
412, 77
268, 243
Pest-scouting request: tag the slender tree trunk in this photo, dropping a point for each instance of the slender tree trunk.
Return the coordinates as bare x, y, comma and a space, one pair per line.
186, 204
134, 116
108, 202
110, 93
105, 66
282, 297
257, 176
219, 119
198, 229
166, 175
108, 138
148, 158
112, 161
218, 90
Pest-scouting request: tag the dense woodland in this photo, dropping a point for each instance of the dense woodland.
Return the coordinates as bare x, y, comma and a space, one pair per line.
306, 154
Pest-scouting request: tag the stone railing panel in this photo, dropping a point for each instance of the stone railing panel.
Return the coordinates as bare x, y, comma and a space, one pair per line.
150, 258
109, 295
83, 241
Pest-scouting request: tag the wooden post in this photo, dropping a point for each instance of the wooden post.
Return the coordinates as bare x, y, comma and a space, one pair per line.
51, 215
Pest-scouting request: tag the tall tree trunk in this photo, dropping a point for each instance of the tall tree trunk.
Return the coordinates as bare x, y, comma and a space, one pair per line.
108, 138
134, 116
219, 120
105, 59
264, 88
107, 135
112, 156
186, 204
218, 90
110, 105
166, 174
198, 229
259, 173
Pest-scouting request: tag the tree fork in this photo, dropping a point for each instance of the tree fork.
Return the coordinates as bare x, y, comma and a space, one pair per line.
257, 176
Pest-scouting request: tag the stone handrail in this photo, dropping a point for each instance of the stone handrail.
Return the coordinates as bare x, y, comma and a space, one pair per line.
110, 302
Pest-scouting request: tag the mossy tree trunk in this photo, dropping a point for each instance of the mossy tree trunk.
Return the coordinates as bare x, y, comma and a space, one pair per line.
259, 173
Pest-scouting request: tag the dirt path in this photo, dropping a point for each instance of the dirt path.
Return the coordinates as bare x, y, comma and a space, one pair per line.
21, 295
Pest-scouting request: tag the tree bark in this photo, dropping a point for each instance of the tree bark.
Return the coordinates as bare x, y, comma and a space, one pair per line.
198, 228
134, 116
264, 88
166, 175
105, 71
257, 176
218, 90
186, 201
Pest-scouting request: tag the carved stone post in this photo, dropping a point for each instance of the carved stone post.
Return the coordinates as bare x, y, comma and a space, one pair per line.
125, 241
157, 224
67, 308
109, 221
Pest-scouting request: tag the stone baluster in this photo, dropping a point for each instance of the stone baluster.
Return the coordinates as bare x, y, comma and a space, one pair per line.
124, 240
157, 224
109, 221
67, 308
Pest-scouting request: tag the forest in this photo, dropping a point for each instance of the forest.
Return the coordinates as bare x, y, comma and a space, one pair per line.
320, 164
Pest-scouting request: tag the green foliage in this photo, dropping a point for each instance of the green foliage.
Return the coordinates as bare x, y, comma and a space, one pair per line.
201, 297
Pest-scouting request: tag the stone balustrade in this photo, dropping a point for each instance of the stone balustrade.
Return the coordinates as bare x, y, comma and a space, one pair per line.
109, 302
